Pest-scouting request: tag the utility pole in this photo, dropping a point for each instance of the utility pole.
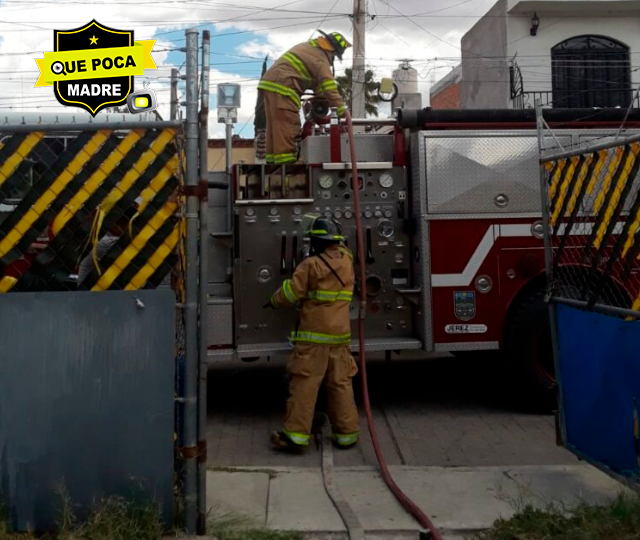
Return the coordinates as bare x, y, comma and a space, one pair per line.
174, 94
358, 69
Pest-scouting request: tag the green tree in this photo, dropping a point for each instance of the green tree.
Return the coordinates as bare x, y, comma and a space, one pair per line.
371, 98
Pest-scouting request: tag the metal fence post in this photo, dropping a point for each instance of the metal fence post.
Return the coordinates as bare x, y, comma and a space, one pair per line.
191, 288
204, 297
544, 189
173, 114
228, 156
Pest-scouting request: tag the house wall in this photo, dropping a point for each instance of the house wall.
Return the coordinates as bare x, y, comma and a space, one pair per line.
533, 53
504, 34
242, 151
447, 98
485, 70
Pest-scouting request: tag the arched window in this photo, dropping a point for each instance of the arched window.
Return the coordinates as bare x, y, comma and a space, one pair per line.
591, 71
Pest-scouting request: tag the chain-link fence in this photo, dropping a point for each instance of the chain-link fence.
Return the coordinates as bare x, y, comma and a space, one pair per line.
118, 206
593, 225
91, 209
591, 205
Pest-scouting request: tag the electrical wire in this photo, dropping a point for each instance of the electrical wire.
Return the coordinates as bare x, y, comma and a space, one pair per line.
325, 18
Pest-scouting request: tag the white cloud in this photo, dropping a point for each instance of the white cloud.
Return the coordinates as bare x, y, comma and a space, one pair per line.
27, 25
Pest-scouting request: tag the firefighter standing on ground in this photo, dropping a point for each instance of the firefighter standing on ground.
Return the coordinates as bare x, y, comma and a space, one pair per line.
306, 66
323, 283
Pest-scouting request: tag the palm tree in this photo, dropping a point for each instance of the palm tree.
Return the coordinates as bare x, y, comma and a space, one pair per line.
371, 98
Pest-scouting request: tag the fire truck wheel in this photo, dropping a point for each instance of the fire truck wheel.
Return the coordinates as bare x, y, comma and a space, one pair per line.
528, 351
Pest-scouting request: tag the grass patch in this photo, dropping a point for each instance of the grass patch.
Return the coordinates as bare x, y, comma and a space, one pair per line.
118, 519
230, 526
5, 532
113, 518
619, 520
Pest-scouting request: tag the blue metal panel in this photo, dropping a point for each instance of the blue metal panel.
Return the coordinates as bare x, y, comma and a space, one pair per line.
86, 399
599, 362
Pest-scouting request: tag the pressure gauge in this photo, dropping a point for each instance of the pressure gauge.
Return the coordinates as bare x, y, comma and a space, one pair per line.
386, 229
325, 181
386, 180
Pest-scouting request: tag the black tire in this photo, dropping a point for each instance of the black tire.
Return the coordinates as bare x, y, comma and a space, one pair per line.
528, 352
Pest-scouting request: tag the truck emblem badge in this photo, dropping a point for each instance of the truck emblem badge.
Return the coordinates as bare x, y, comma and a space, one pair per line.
464, 305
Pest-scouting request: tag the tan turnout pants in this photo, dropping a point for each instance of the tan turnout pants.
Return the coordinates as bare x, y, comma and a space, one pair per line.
283, 127
308, 366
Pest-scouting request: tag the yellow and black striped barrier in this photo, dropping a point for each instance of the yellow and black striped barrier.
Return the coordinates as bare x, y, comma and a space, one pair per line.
101, 203
593, 202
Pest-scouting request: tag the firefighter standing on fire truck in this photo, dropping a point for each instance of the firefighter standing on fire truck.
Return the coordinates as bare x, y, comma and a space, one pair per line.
306, 66
323, 284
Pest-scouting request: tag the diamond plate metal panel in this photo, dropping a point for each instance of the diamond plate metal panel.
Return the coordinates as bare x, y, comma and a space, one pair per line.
462, 347
483, 173
220, 328
368, 148
86, 398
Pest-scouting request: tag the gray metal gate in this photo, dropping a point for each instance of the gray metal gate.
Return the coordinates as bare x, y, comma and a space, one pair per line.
591, 202
86, 401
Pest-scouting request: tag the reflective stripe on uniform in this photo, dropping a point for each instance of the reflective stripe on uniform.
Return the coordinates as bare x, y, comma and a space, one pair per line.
346, 439
274, 302
329, 85
288, 291
341, 110
297, 64
279, 159
301, 439
331, 296
313, 43
280, 89
321, 339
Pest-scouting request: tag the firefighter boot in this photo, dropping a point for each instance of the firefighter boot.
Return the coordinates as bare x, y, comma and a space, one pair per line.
282, 442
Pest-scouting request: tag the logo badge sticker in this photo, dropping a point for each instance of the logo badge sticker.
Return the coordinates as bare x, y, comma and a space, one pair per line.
466, 329
464, 305
93, 66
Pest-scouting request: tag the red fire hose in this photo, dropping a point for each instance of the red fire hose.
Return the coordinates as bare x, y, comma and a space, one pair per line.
404, 500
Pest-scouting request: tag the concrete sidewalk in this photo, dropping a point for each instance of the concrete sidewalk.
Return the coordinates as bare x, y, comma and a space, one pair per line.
460, 501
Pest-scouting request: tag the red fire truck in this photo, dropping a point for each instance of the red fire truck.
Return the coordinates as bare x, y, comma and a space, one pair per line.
451, 210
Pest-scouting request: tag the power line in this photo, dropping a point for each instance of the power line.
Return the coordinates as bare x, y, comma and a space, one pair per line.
325, 18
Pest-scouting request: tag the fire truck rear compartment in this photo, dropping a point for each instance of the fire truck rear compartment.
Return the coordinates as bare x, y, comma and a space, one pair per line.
270, 204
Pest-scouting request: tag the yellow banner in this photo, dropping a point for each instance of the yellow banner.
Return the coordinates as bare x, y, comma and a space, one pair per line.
95, 63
